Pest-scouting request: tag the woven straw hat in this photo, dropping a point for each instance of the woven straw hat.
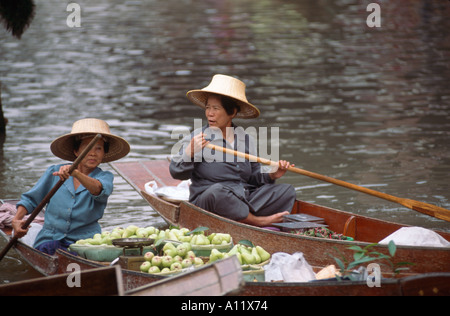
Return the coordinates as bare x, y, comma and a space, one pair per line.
227, 86
63, 146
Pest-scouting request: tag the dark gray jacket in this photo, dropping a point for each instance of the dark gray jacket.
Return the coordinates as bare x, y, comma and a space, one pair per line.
209, 167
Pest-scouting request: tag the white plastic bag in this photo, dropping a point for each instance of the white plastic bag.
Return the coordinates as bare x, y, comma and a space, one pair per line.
30, 237
178, 193
416, 236
288, 268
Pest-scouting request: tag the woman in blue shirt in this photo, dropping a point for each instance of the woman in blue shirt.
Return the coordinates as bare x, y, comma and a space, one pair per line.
74, 210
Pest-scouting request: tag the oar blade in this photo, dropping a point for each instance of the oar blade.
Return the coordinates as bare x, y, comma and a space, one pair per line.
429, 209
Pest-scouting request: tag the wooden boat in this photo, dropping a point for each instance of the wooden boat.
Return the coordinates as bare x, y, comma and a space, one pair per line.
217, 279
133, 282
57, 264
105, 281
364, 230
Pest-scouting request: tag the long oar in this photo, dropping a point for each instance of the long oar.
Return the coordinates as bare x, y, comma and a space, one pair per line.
421, 207
47, 198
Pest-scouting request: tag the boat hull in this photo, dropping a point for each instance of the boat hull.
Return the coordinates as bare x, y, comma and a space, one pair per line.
317, 251
62, 262
425, 284
105, 281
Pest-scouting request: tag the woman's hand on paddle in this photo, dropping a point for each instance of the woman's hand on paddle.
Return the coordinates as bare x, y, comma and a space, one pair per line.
283, 166
18, 221
63, 172
17, 227
197, 143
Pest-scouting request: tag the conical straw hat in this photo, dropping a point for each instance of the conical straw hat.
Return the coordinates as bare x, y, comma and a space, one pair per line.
227, 86
63, 146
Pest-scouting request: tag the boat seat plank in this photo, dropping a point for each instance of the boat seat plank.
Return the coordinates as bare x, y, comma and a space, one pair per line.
297, 226
300, 217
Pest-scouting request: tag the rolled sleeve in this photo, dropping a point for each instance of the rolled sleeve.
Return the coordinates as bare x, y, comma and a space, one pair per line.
106, 178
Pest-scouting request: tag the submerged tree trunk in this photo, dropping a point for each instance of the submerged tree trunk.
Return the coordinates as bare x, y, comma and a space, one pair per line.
3, 122
2, 118
16, 16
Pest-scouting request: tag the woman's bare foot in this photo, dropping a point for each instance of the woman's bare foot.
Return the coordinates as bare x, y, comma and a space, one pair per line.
263, 221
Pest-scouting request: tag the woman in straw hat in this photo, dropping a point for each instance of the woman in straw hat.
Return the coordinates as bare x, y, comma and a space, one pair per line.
74, 210
229, 186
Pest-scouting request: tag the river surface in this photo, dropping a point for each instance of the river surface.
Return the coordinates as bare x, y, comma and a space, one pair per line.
370, 106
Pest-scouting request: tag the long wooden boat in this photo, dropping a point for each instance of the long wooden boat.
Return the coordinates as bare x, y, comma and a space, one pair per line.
364, 230
133, 282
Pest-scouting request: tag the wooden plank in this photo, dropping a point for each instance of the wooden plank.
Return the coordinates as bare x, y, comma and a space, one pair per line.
95, 282
322, 288
220, 278
433, 284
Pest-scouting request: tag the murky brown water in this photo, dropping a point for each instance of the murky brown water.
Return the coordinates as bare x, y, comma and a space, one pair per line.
367, 106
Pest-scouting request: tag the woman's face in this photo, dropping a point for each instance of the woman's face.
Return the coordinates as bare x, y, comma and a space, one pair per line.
95, 156
216, 114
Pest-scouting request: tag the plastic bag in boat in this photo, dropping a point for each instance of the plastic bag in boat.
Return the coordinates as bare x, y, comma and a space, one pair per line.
178, 193
416, 236
288, 268
30, 237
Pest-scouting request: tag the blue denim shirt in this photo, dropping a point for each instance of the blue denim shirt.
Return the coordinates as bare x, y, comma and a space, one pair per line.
70, 215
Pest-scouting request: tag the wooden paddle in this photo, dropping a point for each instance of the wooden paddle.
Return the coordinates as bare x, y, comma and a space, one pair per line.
421, 207
49, 195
